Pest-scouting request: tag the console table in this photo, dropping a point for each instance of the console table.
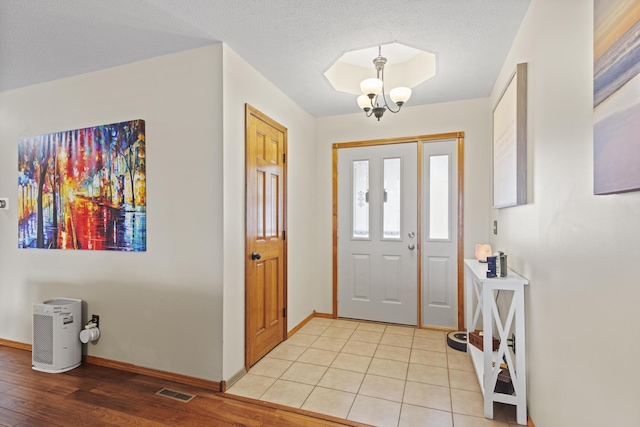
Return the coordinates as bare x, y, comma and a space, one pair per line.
487, 362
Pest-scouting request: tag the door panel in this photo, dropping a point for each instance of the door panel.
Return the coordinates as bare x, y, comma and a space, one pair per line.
392, 277
440, 239
377, 225
362, 281
437, 272
265, 246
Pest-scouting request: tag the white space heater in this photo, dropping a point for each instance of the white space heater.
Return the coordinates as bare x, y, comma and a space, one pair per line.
56, 329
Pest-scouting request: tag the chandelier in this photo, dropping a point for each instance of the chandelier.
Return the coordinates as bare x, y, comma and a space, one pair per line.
371, 101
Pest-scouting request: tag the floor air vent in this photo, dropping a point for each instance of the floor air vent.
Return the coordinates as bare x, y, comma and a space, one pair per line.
172, 394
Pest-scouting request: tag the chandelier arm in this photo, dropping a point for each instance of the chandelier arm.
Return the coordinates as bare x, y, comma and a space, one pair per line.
384, 96
386, 104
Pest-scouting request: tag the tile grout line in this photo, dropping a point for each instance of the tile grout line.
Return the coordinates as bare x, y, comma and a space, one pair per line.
315, 385
450, 394
412, 352
406, 379
365, 375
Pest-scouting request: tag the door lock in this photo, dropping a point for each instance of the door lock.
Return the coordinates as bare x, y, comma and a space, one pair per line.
412, 234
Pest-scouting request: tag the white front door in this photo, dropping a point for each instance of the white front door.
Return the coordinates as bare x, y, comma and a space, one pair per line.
440, 234
377, 233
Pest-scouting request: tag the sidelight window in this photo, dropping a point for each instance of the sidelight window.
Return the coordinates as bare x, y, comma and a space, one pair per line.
439, 197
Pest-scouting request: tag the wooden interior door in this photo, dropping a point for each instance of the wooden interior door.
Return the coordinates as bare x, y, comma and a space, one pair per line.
265, 249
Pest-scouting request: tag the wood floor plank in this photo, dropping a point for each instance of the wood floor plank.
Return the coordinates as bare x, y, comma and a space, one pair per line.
8, 402
99, 396
49, 412
32, 422
145, 395
10, 418
155, 412
39, 381
31, 394
143, 380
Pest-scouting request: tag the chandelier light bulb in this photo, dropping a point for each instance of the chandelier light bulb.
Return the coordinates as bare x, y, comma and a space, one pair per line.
364, 102
371, 87
400, 95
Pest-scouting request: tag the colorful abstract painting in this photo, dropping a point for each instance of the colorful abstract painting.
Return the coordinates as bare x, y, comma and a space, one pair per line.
84, 189
616, 96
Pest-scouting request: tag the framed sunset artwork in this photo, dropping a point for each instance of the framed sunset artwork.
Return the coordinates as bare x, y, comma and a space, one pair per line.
616, 96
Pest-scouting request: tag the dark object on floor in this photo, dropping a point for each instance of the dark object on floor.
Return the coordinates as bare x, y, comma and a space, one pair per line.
476, 339
457, 340
504, 384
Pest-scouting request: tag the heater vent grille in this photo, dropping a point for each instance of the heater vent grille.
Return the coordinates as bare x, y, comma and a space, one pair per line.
43, 339
172, 394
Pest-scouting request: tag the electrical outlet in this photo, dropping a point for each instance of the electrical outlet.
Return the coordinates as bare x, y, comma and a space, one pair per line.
95, 319
511, 342
4, 203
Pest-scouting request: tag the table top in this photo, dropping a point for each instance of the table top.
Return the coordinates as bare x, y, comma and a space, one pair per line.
479, 269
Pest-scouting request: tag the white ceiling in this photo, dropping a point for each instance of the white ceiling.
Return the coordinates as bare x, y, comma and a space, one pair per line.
291, 42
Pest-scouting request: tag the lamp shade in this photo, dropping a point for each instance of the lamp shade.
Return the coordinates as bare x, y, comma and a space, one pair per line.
371, 86
400, 95
364, 102
482, 252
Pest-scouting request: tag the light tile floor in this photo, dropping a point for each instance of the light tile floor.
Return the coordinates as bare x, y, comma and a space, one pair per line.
384, 375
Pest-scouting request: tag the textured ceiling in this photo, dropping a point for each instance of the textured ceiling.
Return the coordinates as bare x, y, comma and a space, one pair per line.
291, 42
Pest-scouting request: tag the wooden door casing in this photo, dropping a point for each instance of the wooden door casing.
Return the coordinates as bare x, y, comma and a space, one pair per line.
459, 136
265, 282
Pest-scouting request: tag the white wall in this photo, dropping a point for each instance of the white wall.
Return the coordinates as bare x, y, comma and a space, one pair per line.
166, 308
579, 251
160, 308
243, 84
467, 116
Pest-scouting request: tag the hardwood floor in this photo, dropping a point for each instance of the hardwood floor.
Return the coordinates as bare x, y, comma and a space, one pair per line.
95, 396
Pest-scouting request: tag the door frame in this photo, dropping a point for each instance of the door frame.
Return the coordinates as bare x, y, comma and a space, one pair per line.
420, 140
252, 111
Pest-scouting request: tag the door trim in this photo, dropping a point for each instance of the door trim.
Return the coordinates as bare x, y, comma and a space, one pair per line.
460, 231
459, 136
248, 112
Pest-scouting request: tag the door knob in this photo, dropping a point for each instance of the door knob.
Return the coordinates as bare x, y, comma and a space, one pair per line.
255, 256
412, 246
